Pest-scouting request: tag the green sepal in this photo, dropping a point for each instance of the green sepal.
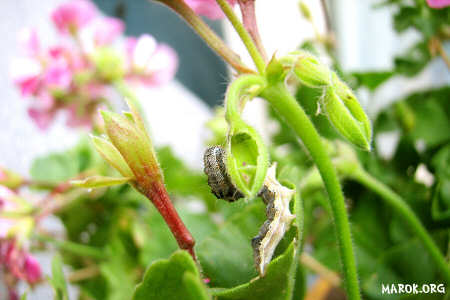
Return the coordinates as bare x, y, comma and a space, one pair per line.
99, 181
275, 71
112, 156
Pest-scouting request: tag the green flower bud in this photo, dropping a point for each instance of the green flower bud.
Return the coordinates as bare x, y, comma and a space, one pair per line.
10, 179
134, 146
129, 150
109, 64
304, 10
311, 72
346, 114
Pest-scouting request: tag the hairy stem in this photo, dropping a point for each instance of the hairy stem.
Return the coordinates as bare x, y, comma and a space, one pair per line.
407, 214
206, 33
286, 105
244, 35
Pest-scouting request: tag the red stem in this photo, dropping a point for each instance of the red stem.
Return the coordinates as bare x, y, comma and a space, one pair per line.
250, 24
159, 197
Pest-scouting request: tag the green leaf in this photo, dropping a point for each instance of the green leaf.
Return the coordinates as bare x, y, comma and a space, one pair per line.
62, 166
371, 80
275, 285
58, 281
414, 60
99, 181
173, 278
196, 288
234, 239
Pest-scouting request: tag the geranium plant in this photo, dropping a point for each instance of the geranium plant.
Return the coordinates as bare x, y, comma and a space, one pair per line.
318, 199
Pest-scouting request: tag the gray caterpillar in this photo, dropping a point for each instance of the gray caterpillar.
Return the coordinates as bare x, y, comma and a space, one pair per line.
218, 178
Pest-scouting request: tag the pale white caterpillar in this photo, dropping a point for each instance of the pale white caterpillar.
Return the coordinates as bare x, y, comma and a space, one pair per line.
279, 218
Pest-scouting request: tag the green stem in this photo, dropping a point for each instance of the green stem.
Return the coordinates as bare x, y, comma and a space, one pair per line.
75, 248
407, 214
209, 36
244, 35
286, 105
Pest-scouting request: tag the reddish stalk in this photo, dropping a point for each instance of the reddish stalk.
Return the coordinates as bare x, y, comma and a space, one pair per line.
157, 194
250, 24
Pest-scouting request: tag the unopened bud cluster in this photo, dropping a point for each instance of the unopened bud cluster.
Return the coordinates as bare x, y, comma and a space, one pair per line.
339, 102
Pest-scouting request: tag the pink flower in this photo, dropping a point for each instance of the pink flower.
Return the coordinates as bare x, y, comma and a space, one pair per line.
208, 8
438, 3
73, 15
41, 117
101, 32
19, 262
32, 269
151, 63
29, 41
25, 73
107, 30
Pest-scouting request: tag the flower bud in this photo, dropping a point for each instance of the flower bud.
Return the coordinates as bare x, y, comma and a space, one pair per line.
304, 10
346, 114
311, 72
10, 179
109, 65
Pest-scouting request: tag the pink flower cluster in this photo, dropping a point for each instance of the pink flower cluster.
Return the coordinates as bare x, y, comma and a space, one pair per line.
208, 8
438, 3
66, 77
17, 262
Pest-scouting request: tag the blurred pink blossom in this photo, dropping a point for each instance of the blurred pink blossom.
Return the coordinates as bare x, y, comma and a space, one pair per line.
151, 63
19, 262
438, 3
208, 8
41, 117
107, 30
29, 41
25, 73
65, 77
73, 15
